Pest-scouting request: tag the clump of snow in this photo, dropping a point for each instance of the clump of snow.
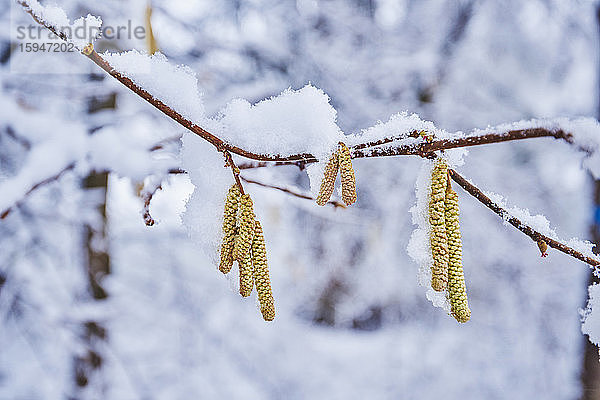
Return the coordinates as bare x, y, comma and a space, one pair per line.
315, 172
52, 15
174, 85
419, 248
399, 125
85, 30
204, 210
81, 32
590, 321
295, 122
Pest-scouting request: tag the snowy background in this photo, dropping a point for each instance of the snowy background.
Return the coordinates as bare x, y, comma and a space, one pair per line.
96, 305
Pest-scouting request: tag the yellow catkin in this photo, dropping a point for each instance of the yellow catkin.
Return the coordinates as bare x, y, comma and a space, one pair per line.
328, 182
88, 49
347, 175
437, 237
543, 248
246, 275
243, 242
261, 275
457, 289
229, 228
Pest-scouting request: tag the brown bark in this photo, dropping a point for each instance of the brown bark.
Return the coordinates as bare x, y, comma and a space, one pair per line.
87, 367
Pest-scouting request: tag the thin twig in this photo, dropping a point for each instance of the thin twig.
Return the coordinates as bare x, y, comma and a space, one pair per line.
526, 229
161, 145
234, 170
36, 186
334, 203
147, 197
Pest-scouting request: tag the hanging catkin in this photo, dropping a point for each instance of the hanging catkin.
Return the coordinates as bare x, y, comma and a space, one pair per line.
328, 182
261, 275
543, 247
246, 275
243, 242
437, 237
457, 289
347, 175
229, 222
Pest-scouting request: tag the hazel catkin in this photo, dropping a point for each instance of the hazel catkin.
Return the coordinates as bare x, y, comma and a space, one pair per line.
543, 246
437, 237
243, 242
261, 274
229, 228
328, 182
347, 175
246, 275
457, 289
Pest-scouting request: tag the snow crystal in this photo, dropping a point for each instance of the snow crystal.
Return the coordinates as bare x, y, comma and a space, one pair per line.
296, 121
175, 86
81, 32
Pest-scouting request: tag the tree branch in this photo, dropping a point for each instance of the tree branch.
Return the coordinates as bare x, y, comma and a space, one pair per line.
526, 229
234, 170
361, 150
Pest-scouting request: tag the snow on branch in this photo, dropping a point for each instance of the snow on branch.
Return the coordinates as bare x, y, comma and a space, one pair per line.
81, 32
576, 248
